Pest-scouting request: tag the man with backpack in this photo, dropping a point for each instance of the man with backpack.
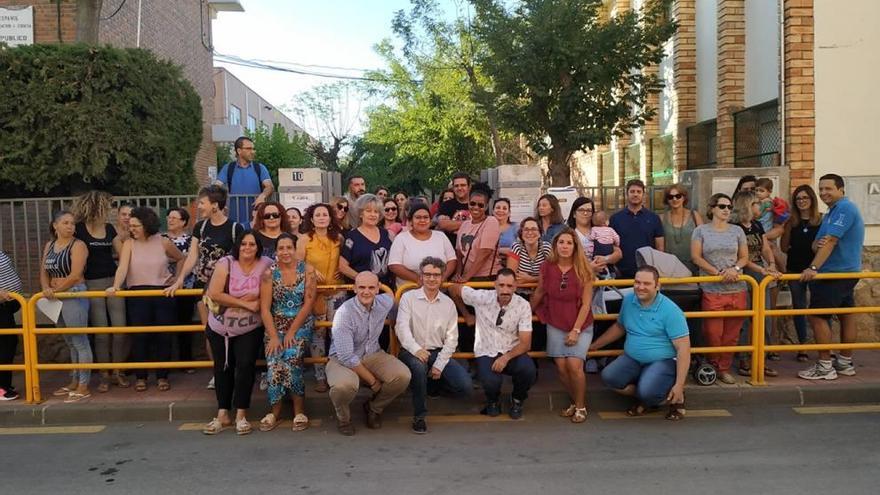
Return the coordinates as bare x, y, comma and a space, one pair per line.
247, 178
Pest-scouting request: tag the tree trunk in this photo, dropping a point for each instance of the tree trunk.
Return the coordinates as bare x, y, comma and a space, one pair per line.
87, 20
560, 168
496, 142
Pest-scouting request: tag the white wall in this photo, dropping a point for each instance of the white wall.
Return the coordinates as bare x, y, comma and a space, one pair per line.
666, 109
847, 68
707, 59
762, 51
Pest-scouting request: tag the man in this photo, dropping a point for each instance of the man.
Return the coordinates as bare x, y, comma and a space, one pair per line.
657, 353
838, 248
453, 212
427, 328
245, 177
355, 356
503, 337
637, 227
357, 186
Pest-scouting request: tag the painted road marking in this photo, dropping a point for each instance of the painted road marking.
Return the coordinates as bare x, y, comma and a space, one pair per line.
691, 413
313, 423
867, 408
461, 418
52, 430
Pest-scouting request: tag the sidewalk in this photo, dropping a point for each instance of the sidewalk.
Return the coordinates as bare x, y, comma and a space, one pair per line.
189, 400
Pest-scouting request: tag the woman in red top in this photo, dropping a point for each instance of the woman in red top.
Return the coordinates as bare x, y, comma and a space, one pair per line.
562, 301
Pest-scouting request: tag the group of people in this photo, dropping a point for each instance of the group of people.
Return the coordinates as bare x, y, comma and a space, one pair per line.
261, 266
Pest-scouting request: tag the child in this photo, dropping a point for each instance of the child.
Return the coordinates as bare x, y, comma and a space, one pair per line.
604, 238
771, 211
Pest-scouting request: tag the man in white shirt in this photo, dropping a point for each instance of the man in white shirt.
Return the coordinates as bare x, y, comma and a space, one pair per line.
503, 337
427, 328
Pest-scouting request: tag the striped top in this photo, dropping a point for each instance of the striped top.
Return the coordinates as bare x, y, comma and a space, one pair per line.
9, 279
59, 264
527, 264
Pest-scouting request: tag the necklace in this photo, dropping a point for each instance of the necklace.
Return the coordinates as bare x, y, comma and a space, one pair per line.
677, 231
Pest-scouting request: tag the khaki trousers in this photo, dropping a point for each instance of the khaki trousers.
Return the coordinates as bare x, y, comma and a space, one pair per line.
344, 383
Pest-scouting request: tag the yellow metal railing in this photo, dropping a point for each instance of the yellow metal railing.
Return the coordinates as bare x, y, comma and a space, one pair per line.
26, 350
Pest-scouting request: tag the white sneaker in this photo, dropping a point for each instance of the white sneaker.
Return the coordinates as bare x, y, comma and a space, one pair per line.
845, 369
264, 383
818, 372
211, 384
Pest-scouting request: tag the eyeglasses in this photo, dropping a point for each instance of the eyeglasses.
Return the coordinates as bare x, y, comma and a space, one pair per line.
342, 207
531, 229
584, 211
271, 216
390, 209
674, 196
723, 207
174, 218
563, 284
802, 198
500, 318
431, 275
477, 204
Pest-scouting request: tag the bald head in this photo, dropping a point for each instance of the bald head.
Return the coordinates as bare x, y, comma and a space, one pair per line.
366, 286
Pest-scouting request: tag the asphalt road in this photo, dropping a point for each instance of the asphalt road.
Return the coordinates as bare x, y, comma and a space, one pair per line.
751, 450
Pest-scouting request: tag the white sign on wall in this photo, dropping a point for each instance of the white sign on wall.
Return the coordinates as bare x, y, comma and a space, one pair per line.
17, 26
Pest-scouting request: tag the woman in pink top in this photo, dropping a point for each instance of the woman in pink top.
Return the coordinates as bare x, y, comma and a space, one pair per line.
562, 301
143, 265
389, 218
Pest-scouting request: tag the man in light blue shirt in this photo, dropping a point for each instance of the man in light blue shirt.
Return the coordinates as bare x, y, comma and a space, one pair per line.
247, 178
657, 353
356, 358
838, 248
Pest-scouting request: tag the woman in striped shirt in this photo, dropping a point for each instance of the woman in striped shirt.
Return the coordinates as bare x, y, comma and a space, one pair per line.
9, 282
526, 256
61, 270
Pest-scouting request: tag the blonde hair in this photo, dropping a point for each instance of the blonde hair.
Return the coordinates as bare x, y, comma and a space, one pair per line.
92, 206
579, 259
742, 205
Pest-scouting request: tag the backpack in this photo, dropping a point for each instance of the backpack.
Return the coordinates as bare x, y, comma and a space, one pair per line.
230, 172
205, 225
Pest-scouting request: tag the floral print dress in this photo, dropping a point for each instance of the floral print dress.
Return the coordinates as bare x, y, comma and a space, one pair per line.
285, 368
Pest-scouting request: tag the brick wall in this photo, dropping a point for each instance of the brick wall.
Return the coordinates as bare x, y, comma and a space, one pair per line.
46, 19
684, 63
731, 74
800, 101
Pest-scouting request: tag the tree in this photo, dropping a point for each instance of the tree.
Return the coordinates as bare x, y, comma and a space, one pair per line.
567, 78
78, 116
88, 20
275, 149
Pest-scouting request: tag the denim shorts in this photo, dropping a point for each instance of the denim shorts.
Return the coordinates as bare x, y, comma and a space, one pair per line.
556, 347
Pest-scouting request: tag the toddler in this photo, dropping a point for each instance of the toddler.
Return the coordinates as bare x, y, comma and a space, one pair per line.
604, 238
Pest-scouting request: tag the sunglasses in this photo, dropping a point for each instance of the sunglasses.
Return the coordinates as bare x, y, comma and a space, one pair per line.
563, 284
342, 207
674, 196
477, 204
500, 318
270, 216
390, 209
723, 207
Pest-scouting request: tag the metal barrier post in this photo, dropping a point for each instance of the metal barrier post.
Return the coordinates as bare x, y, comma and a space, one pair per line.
759, 303
23, 331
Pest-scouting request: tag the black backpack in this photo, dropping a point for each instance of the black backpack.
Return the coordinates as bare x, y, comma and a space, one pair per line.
230, 171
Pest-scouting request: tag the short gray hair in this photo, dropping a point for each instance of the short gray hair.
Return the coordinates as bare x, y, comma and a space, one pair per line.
362, 203
432, 261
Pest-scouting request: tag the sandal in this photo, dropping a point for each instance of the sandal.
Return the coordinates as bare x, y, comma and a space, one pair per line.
140, 386
568, 412
62, 392
163, 386
215, 427
120, 381
103, 385
243, 427
268, 423
676, 412
639, 410
76, 397
580, 415
300, 422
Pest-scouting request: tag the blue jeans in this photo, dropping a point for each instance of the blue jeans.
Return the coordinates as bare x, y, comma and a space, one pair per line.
454, 378
521, 368
799, 301
653, 380
75, 313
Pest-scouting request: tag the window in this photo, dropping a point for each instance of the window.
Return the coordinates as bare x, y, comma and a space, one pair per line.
661, 161
632, 163
251, 123
702, 145
234, 115
756, 135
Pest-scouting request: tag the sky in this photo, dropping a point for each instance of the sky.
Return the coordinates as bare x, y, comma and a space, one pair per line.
339, 33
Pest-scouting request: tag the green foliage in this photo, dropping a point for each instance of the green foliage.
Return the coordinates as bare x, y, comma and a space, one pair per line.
565, 77
78, 116
275, 149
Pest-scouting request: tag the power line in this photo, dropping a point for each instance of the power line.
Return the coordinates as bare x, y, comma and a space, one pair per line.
111, 16
234, 60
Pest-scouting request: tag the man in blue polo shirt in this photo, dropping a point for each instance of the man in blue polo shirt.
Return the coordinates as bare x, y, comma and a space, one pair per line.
637, 227
838, 248
657, 353
245, 177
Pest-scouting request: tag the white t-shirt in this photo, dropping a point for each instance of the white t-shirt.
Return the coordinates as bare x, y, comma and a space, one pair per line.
408, 251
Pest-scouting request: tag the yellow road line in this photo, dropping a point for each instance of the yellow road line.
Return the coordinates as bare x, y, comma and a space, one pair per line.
460, 418
691, 413
313, 423
867, 408
52, 430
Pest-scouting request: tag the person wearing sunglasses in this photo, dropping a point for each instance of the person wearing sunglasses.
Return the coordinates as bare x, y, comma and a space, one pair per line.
503, 339
389, 217
270, 221
679, 223
340, 211
477, 240
719, 249
562, 302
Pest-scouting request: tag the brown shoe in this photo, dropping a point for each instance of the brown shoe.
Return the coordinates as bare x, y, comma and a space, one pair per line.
346, 429
726, 377
374, 420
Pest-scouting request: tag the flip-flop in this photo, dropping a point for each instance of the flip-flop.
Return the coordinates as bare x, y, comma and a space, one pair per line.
214, 427
76, 397
300, 422
243, 427
62, 392
269, 422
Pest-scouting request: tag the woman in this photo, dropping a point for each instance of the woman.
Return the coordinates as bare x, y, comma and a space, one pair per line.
61, 270
382, 193
477, 241
446, 195
294, 220
797, 241
91, 211
761, 264
580, 219
509, 230
143, 265
319, 246
340, 212
679, 223
235, 335
419, 242
747, 183
720, 249
9, 282
123, 215
287, 294
389, 218
269, 223
400, 198
549, 215
366, 246
526, 257
562, 302
177, 221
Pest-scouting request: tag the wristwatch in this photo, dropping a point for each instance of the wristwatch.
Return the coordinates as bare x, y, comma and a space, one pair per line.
737, 267
814, 268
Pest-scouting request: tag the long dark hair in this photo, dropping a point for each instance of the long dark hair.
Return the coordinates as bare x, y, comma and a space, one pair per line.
795, 217
580, 201
334, 230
